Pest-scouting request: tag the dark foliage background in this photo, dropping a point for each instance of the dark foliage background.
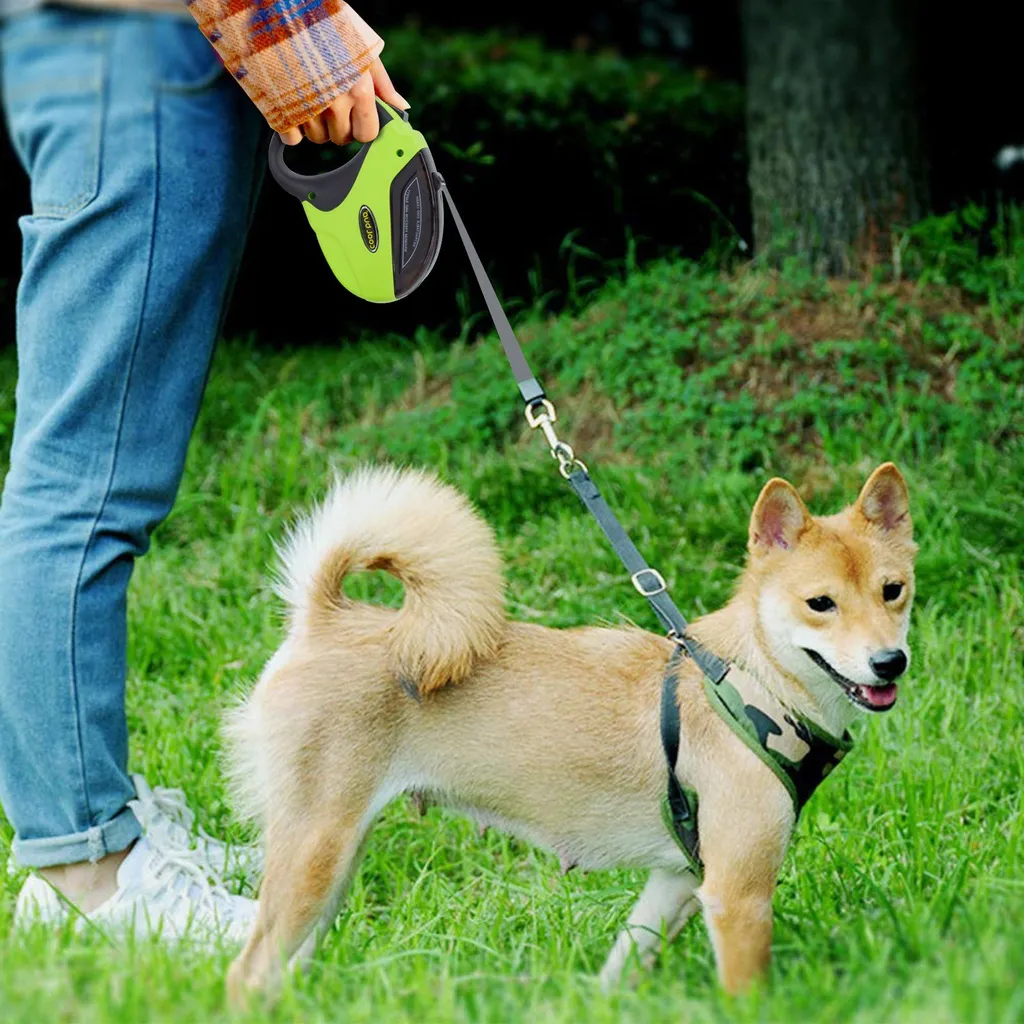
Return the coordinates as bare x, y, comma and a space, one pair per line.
576, 137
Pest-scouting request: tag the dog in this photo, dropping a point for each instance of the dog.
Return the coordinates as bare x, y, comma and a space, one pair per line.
550, 734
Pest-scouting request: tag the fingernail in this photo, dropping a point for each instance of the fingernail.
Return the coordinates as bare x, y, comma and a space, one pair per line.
408, 105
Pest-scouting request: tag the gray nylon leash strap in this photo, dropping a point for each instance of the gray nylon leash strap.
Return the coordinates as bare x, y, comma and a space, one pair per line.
528, 384
647, 581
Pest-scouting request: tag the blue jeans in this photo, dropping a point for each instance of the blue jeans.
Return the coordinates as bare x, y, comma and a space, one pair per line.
143, 160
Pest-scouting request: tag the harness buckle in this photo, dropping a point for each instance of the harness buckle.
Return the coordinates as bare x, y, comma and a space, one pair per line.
659, 587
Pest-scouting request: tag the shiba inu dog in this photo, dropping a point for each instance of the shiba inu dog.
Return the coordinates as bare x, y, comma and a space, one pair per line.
552, 734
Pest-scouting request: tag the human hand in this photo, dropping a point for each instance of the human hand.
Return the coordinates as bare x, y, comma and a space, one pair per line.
352, 115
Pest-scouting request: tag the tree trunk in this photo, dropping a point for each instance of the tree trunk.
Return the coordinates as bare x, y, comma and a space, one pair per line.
833, 123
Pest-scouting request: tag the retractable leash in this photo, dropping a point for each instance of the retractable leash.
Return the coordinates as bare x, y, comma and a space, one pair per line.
379, 219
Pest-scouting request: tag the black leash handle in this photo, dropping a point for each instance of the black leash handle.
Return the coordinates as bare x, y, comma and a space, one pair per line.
540, 413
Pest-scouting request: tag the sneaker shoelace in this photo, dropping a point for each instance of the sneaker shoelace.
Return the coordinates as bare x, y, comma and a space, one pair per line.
172, 805
242, 861
178, 867
182, 874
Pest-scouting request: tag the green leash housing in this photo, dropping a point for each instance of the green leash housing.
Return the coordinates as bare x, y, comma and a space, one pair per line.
378, 218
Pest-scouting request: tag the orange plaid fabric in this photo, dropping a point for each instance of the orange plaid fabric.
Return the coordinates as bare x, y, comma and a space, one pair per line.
292, 57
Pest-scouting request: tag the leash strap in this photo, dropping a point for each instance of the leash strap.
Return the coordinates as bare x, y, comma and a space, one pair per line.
648, 582
529, 387
679, 805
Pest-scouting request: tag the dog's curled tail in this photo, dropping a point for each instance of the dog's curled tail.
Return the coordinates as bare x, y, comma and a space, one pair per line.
407, 523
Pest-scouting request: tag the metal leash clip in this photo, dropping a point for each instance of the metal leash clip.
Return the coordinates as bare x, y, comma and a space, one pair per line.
560, 450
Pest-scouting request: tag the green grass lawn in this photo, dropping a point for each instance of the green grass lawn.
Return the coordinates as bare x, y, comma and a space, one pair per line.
903, 895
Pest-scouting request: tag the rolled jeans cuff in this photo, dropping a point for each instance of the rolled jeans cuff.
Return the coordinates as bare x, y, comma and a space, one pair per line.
91, 845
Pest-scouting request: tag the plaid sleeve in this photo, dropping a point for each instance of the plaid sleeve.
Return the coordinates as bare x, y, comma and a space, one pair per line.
292, 57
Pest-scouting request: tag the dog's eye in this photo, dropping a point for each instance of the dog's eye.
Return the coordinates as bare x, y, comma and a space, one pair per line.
891, 591
821, 604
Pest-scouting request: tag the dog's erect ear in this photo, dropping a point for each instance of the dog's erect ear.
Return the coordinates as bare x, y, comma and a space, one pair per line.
884, 501
778, 519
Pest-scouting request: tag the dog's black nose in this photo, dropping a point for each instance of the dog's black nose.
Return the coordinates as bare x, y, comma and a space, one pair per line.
889, 664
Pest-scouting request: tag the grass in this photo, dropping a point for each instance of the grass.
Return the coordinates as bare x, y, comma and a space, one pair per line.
902, 897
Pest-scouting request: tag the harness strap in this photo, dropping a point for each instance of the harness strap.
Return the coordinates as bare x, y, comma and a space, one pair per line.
679, 805
798, 752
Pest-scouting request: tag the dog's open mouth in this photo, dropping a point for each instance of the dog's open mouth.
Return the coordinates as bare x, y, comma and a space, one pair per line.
873, 698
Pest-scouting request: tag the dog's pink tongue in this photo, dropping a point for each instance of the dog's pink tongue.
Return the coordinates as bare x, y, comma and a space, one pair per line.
880, 696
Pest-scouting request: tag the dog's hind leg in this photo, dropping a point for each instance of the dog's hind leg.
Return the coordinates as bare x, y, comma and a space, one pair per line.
668, 902
311, 858
333, 905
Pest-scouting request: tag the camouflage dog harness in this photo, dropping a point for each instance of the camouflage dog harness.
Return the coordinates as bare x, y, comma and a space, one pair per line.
798, 752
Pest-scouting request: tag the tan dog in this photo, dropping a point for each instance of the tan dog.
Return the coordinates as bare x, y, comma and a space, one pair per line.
551, 734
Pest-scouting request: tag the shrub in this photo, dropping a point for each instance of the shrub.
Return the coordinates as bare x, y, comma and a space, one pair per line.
976, 249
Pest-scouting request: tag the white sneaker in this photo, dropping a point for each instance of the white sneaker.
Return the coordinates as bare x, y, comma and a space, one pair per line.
242, 862
166, 886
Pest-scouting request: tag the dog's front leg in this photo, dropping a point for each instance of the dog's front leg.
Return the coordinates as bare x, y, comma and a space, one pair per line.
742, 856
668, 901
741, 932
